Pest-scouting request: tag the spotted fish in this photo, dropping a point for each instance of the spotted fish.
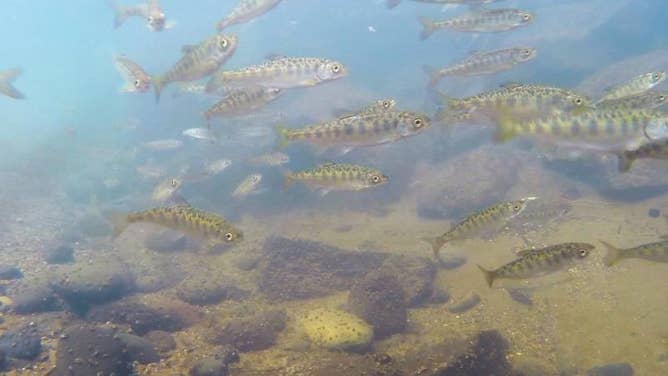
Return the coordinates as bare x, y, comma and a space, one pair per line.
136, 80
246, 10
644, 101
377, 106
338, 177
479, 21
491, 217
538, 262
657, 252
6, 79
636, 85
242, 102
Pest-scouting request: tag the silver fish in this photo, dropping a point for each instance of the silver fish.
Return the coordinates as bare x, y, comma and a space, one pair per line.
479, 21
136, 80
247, 186
393, 3
245, 11
201, 134
163, 145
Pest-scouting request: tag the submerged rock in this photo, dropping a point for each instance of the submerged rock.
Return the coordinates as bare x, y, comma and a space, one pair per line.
162, 341
486, 357
23, 343
61, 254
141, 317
88, 350
415, 275
379, 299
465, 303
254, 333
154, 272
209, 287
33, 296
216, 365
334, 329
616, 369
10, 272
139, 349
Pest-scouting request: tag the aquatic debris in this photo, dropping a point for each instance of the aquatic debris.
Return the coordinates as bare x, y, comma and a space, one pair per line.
270, 159
490, 218
657, 252
247, 186
241, 102
338, 177
481, 20
201, 134
163, 145
538, 262
393, 3
636, 85
198, 61
194, 222
6, 79
246, 10
166, 189
644, 101
379, 299
464, 304
336, 330
482, 63
136, 80
657, 149
280, 73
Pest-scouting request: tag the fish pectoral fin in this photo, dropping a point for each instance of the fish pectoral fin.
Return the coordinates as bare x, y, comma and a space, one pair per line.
188, 48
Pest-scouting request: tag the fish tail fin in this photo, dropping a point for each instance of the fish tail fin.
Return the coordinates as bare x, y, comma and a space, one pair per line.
392, 3
158, 85
6, 80
489, 275
436, 244
505, 129
119, 221
283, 140
428, 27
432, 75
624, 161
120, 15
613, 255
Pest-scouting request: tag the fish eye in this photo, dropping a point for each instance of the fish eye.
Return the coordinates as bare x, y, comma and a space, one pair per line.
175, 182
223, 43
375, 179
526, 17
417, 122
583, 252
578, 101
386, 104
336, 68
662, 98
517, 207
150, 19
655, 76
229, 236
527, 53
137, 83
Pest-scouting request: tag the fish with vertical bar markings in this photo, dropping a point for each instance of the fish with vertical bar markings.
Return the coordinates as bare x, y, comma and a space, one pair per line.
600, 129
492, 217
245, 11
377, 106
198, 61
6, 87
365, 129
657, 149
636, 85
538, 262
166, 189
281, 73
136, 80
242, 102
644, 101
337, 177
479, 21
247, 186
657, 252
193, 222
481, 63
393, 3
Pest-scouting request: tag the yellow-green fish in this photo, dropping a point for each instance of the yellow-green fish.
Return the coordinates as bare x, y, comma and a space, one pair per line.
479, 21
6, 87
393, 3
166, 190
377, 106
242, 102
247, 186
644, 101
538, 262
636, 85
657, 252
338, 177
245, 11
281, 73
492, 217
198, 61
364, 129
193, 222
481, 63
657, 149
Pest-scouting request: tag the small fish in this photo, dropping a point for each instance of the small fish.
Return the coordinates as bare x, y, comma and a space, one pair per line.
338, 177
163, 145
644, 101
538, 262
365, 129
151, 172
216, 167
636, 85
198, 61
479, 21
247, 186
393, 3
193, 222
482, 63
492, 217
281, 73
271, 159
657, 252
380, 105
6, 79
166, 189
245, 11
136, 80
242, 102
156, 17
657, 149
201, 134
123, 13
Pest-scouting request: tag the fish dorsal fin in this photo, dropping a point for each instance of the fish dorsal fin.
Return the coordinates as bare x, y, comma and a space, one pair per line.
511, 85
473, 53
273, 56
188, 48
327, 164
524, 252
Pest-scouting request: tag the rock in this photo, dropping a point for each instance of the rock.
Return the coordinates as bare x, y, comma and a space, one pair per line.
88, 350
216, 365
3, 361
209, 287
247, 262
141, 317
465, 303
415, 275
166, 241
162, 341
61, 254
439, 297
255, 333
84, 285
10, 272
379, 299
139, 349
154, 272
23, 343
33, 296
615, 369
486, 357
336, 330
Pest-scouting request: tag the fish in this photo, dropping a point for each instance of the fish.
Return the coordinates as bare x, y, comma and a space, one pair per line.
657, 252
491, 217
600, 129
191, 221
271, 159
163, 145
337, 177
198, 61
480, 20
657, 149
242, 102
365, 129
280, 73
247, 186
156, 17
166, 189
149, 171
393, 3
136, 79
246, 10
636, 85
123, 13
6, 79
644, 101
538, 262
377, 106
217, 166
201, 134
482, 63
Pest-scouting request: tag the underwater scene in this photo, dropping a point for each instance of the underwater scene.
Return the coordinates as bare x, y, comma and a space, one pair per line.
334, 188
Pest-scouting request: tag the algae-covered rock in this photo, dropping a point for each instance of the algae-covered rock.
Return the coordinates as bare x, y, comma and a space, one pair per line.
209, 287
336, 329
140, 316
380, 300
415, 275
254, 333
21, 343
139, 349
161, 340
32, 296
88, 350
153, 272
